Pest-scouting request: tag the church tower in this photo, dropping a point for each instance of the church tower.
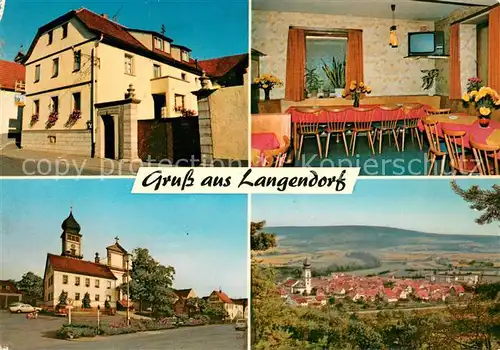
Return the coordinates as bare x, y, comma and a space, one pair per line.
71, 238
307, 275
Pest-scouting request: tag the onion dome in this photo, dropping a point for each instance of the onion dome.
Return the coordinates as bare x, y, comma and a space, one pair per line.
70, 224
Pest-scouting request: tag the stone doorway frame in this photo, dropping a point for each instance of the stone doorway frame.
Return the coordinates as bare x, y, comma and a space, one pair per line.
124, 114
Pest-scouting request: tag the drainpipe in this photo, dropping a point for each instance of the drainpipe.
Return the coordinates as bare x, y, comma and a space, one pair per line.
92, 126
93, 98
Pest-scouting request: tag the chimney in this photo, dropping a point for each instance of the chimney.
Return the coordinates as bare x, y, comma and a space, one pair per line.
105, 15
96, 258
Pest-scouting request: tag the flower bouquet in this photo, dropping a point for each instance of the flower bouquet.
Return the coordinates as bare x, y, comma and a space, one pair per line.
34, 119
474, 84
267, 82
51, 121
355, 90
486, 100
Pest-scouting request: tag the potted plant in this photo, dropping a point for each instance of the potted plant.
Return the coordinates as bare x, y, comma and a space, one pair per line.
485, 101
336, 75
51, 121
267, 82
34, 119
355, 90
429, 80
73, 118
326, 90
313, 82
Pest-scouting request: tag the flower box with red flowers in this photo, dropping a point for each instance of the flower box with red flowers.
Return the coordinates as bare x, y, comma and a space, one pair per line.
75, 115
34, 119
53, 117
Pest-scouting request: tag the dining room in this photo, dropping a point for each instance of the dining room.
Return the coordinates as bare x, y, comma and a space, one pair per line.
394, 88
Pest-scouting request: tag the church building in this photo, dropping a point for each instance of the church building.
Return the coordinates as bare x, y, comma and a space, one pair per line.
69, 272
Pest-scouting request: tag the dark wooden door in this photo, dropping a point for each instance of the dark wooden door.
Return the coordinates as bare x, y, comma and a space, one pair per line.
109, 136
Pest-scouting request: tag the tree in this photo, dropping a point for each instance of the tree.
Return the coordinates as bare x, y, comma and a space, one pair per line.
151, 283
485, 201
261, 240
86, 301
215, 311
31, 286
63, 300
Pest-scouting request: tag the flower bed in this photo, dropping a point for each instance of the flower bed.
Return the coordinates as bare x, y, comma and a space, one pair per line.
75, 331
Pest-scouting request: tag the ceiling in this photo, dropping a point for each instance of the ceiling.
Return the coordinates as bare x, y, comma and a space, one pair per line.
405, 9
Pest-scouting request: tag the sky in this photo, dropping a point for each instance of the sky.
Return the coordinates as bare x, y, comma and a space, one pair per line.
211, 28
425, 205
212, 256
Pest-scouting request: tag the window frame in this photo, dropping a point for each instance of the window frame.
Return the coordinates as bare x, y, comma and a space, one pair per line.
65, 30
50, 34
183, 99
38, 73
74, 105
97, 283
55, 67
131, 57
154, 70
36, 107
87, 282
55, 110
65, 279
185, 54
77, 281
77, 296
76, 54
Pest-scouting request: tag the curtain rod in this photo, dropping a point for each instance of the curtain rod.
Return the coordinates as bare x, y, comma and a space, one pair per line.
325, 30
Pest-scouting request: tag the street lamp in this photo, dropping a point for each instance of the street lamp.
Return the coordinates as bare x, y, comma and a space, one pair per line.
128, 289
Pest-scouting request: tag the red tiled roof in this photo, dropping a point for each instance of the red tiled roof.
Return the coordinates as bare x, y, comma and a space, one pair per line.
10, 72
8, 287
218, 67
107, 27
224, 297
289, 283
87, 268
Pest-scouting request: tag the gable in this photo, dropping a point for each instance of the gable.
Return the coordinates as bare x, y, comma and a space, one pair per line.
77, 33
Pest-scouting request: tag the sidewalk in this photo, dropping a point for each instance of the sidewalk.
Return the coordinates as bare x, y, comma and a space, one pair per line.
98, 166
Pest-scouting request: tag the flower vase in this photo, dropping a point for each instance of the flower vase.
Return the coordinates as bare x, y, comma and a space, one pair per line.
267, 94
356, 101
484, 122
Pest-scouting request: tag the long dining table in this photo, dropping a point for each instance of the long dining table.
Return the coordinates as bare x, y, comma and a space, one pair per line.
469, 124
350, 116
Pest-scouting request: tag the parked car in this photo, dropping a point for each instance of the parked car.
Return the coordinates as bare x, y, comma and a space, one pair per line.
24, 308
15, 303
240, 325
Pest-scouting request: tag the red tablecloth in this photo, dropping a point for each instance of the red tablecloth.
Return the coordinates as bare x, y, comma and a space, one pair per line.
351, 114
479, 134
265, 141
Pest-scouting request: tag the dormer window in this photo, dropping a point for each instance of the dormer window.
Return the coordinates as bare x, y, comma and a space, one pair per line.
167, 47
158, 43
185, 56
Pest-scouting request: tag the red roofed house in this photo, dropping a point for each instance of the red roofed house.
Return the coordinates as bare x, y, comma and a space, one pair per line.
12, 77
90, 79
233, 310
8, 293
226, 71
68, 272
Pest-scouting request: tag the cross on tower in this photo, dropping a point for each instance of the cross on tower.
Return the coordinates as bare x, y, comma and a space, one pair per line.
117, 239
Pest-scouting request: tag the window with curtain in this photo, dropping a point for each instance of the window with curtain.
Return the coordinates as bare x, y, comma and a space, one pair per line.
482, 52
325, 63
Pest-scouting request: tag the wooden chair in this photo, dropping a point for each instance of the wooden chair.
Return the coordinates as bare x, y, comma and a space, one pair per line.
336, 121
410, 123
459, 161
442, 111
436, 148
486, 157
308, 125
363, 123
277, 157
388, 123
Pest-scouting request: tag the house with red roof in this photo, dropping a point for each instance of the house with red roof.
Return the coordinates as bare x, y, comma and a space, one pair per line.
70, 273
9, 293
12, 88
89, 79
226, 71
181, 304
233, 310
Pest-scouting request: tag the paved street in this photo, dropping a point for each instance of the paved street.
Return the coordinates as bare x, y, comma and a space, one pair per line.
17, 332
20, 167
